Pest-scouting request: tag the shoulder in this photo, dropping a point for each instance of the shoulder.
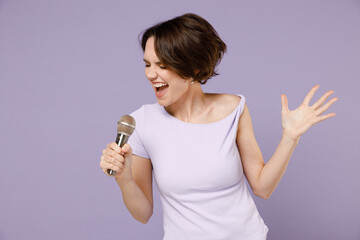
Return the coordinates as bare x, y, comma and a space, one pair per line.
225, 103
231, 100
222, 104
142, 110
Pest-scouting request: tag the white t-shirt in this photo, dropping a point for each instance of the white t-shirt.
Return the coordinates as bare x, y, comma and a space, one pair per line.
198, 172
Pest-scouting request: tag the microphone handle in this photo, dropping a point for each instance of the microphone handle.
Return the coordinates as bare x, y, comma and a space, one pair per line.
121, 139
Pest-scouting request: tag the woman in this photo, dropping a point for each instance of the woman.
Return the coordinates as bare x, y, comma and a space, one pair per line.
201, 146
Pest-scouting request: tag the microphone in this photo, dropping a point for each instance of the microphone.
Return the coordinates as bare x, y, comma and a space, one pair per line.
125, 127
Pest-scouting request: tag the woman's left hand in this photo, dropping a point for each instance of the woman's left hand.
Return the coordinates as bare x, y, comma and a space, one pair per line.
297, 122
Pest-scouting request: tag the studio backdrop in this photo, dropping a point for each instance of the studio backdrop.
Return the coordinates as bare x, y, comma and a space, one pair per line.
69, 69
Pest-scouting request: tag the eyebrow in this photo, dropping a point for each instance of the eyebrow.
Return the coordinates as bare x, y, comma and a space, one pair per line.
157, 63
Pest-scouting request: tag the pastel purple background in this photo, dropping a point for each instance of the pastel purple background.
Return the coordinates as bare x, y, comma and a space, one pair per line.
70, 69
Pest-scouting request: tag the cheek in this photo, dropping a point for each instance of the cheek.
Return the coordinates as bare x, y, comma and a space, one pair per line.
180, 87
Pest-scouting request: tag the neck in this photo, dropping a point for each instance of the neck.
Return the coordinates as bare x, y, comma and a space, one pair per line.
190, 105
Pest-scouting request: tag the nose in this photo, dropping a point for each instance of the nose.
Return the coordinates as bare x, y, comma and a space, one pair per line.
151, 73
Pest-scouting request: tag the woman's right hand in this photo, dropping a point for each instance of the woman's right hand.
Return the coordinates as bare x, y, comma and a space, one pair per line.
117, 159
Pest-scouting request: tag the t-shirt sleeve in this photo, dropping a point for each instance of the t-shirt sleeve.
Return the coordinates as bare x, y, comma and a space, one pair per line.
136, 140
242, 103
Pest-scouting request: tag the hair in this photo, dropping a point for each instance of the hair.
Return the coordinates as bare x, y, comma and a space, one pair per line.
188, 45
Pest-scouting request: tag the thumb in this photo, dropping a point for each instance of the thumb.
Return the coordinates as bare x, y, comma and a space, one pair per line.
284, 103
126, 150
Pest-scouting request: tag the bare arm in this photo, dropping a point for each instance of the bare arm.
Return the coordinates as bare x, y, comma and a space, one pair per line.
251, 157
134, 177
263, 178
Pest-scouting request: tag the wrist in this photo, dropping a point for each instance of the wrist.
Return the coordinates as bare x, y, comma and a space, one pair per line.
123, 177
287, 135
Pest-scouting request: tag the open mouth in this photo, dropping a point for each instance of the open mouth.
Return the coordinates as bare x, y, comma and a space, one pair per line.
161, 89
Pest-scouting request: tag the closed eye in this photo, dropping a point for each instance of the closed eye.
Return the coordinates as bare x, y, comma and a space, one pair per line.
157, 63
162, 67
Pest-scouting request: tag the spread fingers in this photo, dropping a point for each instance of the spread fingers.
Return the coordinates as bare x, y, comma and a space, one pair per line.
326, 106
320, 102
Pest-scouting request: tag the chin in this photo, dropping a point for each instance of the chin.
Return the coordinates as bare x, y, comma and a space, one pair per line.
162, 103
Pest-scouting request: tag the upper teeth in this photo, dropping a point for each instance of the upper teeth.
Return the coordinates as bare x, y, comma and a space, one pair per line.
160, 84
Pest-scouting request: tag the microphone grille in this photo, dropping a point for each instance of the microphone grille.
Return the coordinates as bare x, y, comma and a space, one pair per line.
126, 125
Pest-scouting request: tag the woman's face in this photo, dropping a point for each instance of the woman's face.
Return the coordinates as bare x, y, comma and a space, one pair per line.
168, 86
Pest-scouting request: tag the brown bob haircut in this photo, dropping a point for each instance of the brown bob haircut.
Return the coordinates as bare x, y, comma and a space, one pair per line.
188, 45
